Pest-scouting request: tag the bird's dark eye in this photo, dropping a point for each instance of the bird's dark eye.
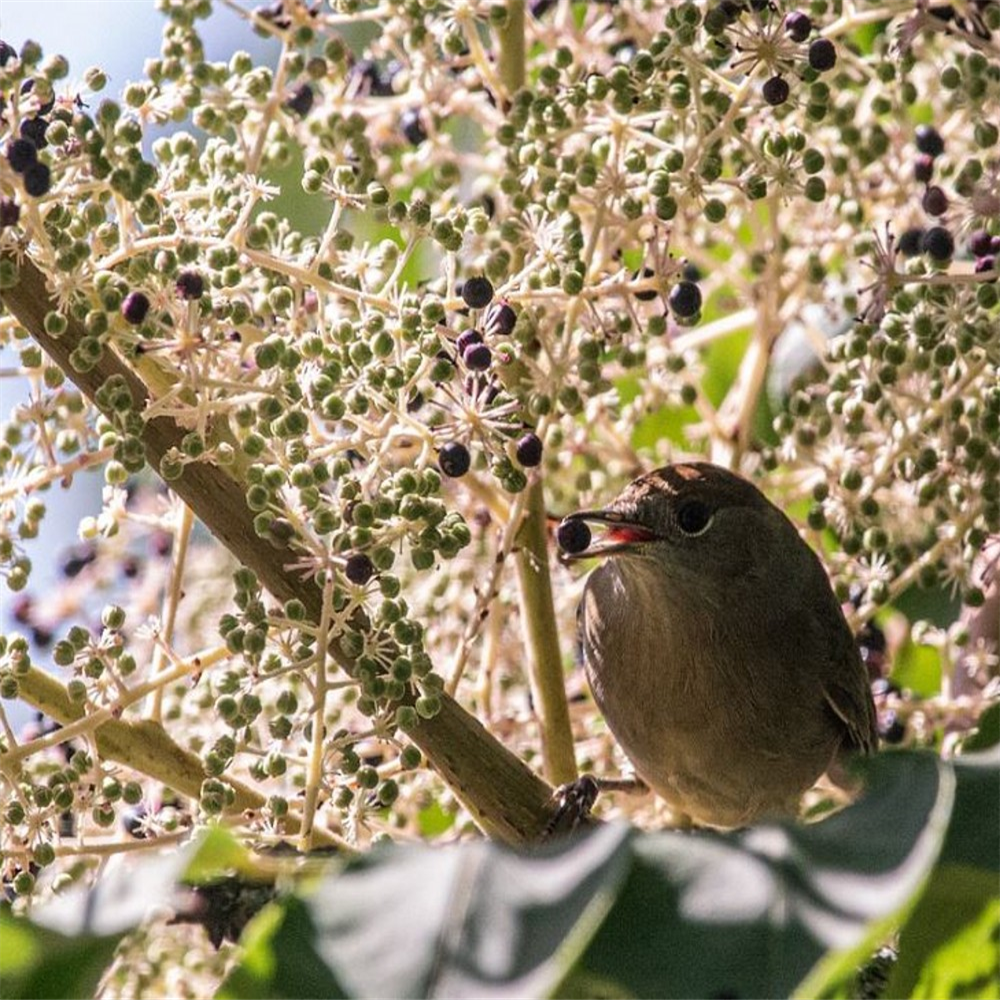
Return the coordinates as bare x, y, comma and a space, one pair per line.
693, 517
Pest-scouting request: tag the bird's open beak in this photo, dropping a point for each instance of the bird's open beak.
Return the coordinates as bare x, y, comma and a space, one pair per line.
621, 535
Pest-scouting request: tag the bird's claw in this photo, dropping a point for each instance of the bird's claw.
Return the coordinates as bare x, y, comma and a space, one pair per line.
573, 803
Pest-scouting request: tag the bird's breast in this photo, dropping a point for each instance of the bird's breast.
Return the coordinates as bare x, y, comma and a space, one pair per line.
643, 658
678, 679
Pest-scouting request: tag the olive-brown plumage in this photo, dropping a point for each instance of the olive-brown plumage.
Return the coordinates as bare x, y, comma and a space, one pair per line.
716, 648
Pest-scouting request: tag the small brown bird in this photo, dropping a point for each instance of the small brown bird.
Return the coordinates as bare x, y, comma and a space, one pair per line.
715, 646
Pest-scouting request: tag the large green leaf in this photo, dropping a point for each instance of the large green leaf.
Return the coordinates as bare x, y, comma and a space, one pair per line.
612, 912
419, 921
65, 947
941, 947
63, 950
749, 914
39, 963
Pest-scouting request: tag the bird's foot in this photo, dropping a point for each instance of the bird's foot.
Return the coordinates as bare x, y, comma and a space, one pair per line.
574, 801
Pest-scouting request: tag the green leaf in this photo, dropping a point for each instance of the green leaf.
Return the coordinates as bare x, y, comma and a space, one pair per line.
612, 913
918, 669
938, 954
751, 913
864, 36
670, 422
217, 852
607, 913
281, 957
433, 820
118, 903
987, 732
722, 361
64, 949
967, 964
419, 921
36, 962
632, 257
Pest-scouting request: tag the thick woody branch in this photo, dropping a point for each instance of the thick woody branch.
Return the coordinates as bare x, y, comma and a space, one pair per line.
507, 799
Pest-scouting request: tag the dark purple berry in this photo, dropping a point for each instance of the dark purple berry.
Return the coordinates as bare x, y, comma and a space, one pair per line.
190, 285
690, 272
775, 91
573, 536
529, 450
359, 568
923, 168
798, 26
685, 299
822, 55
23, 609
301, 101
935, 201
477, 293
466, 339
911, 242
891, 729
539, 8
986, 263
732, 8
478, 357
500, 319
134, 822
370, 78
21, 153
135, 307
37, 179
77, 558
274, 13
281, 529
412, 126
938, 243
647, 294
995, 245
980, 243
7, 51
929, 140
454, 459
33, 129
41, 636
10, 212
488, 204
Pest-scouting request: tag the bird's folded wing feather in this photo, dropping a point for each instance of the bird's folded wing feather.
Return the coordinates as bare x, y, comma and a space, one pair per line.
852, 704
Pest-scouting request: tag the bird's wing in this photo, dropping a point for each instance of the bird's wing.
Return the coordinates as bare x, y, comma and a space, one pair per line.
844, 681
852, 704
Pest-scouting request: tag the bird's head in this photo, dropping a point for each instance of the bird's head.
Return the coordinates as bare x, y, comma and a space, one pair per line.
692, 516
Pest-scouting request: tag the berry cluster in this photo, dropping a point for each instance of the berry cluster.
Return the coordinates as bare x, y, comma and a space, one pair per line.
559, 283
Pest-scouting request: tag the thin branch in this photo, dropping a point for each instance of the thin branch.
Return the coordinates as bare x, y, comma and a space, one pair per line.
538, 620
172, 599
315, 774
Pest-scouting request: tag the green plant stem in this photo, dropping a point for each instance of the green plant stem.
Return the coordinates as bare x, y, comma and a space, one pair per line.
534, 581
507, 799
538, 618
172, 600
315, 772
512, 47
